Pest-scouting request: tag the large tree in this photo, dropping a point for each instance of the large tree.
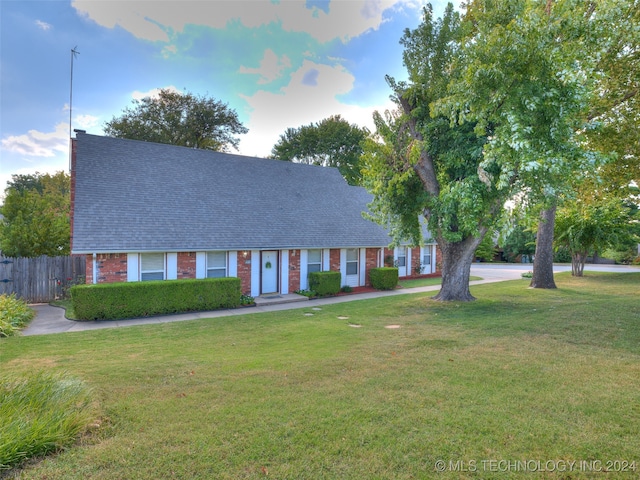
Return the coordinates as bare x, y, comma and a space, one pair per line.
36, 216
495, 107
179, 119
610, 41
332, 142
420, 164
527, 76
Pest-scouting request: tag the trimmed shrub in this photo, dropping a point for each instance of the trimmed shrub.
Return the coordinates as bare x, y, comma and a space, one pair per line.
111, 301
384, 278
14, 314
325, 283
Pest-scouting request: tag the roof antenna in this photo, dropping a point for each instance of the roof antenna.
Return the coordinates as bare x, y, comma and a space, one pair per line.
74, 52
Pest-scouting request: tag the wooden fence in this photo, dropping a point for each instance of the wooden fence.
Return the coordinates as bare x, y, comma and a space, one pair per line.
40, 279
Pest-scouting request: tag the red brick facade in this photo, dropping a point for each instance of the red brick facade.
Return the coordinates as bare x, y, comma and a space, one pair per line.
294, 270
186, 265
113, 267
371, 261
244, 271
334, 259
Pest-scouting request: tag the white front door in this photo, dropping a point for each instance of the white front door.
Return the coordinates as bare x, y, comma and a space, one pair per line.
269, 271
401, 259
352, 268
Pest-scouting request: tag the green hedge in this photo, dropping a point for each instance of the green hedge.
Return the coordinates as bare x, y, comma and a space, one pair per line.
111, 301
325, 283
384, 278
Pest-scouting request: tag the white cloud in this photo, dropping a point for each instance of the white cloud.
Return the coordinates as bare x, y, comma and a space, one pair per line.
300, 103
154, 21
270, 68
153, 93
86, 122
43, 25
39, 144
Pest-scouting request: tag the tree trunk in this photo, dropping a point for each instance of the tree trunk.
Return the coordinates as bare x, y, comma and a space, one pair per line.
578, 260
543, 261
456, 269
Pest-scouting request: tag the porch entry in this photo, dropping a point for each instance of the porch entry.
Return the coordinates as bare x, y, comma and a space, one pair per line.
352, 267
269, 272
401, 261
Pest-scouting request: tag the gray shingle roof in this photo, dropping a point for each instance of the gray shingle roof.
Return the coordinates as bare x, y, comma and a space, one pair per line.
141, 196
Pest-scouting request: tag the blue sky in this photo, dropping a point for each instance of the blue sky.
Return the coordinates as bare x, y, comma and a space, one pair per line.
278, 64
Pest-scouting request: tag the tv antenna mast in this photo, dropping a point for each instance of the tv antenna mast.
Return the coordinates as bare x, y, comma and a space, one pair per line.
74, 52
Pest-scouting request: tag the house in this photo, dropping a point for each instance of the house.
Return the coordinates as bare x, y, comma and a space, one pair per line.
146, 211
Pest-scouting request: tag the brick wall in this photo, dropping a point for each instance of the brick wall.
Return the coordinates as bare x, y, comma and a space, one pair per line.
112, 267
73, 191
387, 257
334, 259
371, 261
88, 274
244, 271
294, 270
186, 265
415, 260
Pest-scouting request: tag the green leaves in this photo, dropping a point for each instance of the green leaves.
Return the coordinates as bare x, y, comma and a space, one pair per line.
179, 119
36, 216
332, 142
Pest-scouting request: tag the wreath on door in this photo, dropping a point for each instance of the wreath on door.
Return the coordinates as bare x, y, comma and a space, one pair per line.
268, 264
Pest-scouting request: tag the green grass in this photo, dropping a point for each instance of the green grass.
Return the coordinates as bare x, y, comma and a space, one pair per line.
518, 375
14, 314
41, 413
426, 282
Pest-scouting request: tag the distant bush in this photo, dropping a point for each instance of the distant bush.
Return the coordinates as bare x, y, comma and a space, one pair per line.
111, 301
384, 278
325, 283
41, 413
562, 255
14, 314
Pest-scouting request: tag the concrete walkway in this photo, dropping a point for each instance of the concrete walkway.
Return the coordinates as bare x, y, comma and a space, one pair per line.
51, 319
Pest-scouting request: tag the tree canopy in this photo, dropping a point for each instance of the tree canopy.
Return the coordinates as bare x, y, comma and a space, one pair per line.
36, 213
496, 107
419, 163
179, 119
585, 227
332, 142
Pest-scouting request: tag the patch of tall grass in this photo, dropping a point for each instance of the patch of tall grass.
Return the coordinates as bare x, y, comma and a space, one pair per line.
14, 314
41, 413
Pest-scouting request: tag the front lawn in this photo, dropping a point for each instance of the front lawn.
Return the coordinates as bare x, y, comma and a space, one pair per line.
425, 282
520, 383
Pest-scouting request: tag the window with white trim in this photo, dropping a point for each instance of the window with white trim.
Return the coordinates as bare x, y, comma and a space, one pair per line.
152, 266
216, 264
402, 256
352, 261
314, 260
426, 256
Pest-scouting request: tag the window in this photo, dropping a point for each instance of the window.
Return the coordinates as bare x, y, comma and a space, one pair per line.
402, 256
314, 261
216, 264
426, 257
352, 261
152, 266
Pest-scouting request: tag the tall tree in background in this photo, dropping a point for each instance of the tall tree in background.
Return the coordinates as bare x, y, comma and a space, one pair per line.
585, 227
179, 119
332, 142
36, 216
